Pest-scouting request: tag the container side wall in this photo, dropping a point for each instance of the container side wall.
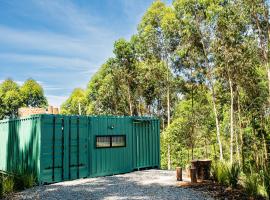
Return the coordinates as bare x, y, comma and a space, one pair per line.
19, 145
114, 160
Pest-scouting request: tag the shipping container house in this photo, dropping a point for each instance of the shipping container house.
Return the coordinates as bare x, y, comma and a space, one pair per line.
61, 147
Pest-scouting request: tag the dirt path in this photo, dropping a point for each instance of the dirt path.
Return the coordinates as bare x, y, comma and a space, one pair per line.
148, 184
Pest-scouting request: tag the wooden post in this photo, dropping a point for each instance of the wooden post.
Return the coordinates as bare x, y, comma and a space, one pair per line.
179, 174
193, 175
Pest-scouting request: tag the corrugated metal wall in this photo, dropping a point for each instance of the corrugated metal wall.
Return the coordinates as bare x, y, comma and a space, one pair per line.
64, 148
19, 145
146, 141
59, 147
107, 161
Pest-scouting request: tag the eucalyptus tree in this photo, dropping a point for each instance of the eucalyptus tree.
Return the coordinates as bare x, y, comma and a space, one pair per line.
125, 65
158, 37
232, 54
105, 93
76, 104
259, 16
197, 31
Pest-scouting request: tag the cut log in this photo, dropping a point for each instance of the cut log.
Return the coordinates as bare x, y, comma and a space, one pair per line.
193, 175
179, 174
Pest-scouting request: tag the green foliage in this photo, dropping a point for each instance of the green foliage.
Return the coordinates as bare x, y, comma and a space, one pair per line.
251, 184
10, 97
8, 185
76, 104
234, 171
1, 186
266, 181
32, 94
13, 97
220, 172
24, 181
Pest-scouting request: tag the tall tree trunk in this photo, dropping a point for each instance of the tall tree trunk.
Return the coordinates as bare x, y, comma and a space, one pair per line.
217, 122
212, 90
240, 130
169, 156
237, 148
168, 113
231, 121
130, 102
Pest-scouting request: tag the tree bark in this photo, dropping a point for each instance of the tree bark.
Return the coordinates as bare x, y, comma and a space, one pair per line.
169, 156
212, 90
231, 121
217, 122
240, 130
130, 103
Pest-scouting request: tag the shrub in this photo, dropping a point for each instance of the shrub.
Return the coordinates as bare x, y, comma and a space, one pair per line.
25, 180
220, 172
8, 185
1, 186
233, 174
266, 182
251, 184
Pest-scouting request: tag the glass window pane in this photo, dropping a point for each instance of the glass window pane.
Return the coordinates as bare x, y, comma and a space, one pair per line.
103, 141
118, 141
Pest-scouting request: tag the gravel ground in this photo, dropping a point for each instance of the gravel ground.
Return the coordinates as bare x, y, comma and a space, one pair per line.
148, 184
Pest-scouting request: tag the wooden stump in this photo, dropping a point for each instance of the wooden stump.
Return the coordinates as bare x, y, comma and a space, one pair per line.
193, 175
179, 174
202, 168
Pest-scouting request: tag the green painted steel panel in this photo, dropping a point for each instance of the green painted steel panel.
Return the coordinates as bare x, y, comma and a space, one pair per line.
64, 148
19, 145
108, 161
61, 147
146, 143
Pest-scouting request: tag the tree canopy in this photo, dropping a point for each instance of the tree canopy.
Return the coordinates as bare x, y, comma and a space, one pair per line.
13, 96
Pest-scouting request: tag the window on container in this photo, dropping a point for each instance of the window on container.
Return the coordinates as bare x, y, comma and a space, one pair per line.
119, 141
103, 141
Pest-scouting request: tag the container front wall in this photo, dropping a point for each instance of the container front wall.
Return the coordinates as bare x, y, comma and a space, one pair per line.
110, 160
19, 145
146, 139
64, 148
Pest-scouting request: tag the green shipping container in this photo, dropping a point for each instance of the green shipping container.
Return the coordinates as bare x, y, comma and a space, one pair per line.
60, 147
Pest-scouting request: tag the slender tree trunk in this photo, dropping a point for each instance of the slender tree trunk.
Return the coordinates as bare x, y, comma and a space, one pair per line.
237, 148
217, 122
240, 129
212, 90
205, 146
265, 152
130, 103
169, 156
231, 122
168, 113
192, 152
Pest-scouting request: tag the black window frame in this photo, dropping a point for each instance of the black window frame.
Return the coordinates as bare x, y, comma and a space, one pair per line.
111, 136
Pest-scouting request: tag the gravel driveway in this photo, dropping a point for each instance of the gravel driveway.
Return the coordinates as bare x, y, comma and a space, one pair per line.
148, 184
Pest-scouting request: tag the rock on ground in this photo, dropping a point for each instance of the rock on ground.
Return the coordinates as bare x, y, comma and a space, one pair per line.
148, 184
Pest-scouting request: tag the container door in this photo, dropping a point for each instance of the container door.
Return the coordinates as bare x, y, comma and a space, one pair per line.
64, 148
77, 148
146, 137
